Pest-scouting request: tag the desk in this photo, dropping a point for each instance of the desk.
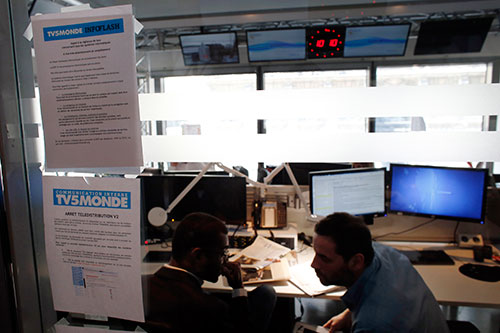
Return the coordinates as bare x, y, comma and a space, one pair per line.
449, 286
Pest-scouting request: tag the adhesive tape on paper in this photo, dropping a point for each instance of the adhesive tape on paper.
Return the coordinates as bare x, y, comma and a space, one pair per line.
157, 216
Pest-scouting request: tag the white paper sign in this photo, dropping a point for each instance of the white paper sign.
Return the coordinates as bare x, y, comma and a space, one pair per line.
92, 239
88, 88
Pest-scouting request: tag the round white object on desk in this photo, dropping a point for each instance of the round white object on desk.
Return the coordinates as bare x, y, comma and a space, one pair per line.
157, 216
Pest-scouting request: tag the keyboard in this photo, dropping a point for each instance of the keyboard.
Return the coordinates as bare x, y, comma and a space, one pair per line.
428, 257
240, 241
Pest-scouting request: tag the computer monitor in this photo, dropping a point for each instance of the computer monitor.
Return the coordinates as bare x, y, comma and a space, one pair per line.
221, 196
452, 36
355, 191
442, 192
376, 40
274, 45
301, 172
208, 49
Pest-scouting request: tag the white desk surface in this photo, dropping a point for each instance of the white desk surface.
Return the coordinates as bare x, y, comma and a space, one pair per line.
449, 286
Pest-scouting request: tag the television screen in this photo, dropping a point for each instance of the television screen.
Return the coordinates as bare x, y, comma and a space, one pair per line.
221, 196
269, 45
452, 36
354, 191
377, 40
206, 49
452, 193
301, 172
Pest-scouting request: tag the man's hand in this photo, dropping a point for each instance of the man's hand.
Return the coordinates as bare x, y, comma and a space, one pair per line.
339, 322
231, 270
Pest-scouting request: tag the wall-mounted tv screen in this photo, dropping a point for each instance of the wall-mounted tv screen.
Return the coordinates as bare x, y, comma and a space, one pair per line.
376, 40
208, 49
354, 191
450, 193
274, 45
452, 36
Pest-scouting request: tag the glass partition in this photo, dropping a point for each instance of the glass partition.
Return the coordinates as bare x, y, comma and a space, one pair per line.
315, 110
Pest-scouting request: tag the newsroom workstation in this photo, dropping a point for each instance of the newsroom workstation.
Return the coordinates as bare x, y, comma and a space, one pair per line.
408, 82
453, 195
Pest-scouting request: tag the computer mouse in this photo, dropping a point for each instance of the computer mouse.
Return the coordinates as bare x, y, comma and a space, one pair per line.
481, 272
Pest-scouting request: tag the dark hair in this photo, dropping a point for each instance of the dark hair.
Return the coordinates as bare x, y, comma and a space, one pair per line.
196, 230
349, 233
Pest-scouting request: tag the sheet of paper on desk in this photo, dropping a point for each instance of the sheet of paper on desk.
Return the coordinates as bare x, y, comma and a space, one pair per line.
304, 277
262, 249
276, 271
308, 328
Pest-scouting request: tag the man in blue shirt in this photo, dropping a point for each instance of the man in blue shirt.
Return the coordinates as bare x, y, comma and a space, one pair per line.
384, 292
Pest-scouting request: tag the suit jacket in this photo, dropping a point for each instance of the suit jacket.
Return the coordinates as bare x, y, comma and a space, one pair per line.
175, 302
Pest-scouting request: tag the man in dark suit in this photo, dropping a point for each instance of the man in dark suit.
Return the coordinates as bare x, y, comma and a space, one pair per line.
174, 300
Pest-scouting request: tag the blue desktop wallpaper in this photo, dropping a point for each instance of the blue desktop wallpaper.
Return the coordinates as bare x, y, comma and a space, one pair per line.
276, 45
437, 191
376, 41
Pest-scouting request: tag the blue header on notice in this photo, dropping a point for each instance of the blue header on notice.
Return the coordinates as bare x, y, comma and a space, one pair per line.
91, 198
83, 30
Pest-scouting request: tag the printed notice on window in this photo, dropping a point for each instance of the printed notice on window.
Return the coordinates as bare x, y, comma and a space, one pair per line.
88, 88
92, 239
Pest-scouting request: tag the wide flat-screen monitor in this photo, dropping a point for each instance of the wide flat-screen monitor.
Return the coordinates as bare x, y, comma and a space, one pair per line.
221, 196
376, 40
301, 172
452, 36
208, 49
354, 191
274, 45
449, 193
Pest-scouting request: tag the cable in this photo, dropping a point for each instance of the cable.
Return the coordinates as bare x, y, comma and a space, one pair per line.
407, 230
236, 230
455, 231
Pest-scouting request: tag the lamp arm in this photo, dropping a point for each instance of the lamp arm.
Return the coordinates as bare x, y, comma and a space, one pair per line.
189, 187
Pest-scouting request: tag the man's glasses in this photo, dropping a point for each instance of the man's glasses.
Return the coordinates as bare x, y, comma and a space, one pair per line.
223, 254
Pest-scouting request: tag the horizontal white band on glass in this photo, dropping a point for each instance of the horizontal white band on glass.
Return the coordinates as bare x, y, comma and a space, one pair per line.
400, 101
324, 147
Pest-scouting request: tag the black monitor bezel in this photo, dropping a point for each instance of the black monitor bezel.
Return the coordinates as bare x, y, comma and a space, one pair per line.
264, 30
444, 217
425, 47
354, 170
208, 34
378, 25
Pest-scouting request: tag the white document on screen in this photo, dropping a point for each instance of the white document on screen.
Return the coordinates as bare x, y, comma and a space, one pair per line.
92, 240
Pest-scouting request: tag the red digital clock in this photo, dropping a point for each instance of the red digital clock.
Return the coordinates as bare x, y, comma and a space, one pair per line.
325, 42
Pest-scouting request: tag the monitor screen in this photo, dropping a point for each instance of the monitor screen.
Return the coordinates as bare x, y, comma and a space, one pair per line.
451, 193
354, 191
301, 172
206, 49
452, 36
270, 45
221, 196
376, 40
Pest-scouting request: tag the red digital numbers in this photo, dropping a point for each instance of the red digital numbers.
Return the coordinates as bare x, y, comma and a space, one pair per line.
325, 42
332, 43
